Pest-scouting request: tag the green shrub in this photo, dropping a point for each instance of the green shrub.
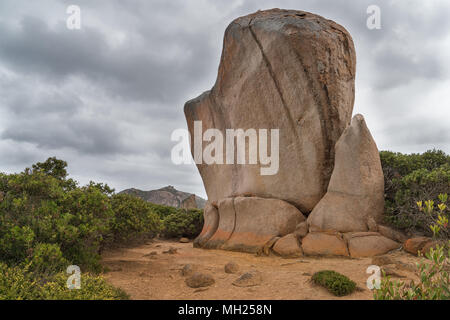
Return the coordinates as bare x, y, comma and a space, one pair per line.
133, 219
19, 284
334, 282
183, 223
163, 211
15, 242
410, 179
46, 259
40, 209
84, 226
434, 283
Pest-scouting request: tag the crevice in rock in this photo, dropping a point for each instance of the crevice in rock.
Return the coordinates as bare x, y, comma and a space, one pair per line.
324, 124
274, 78
234, 222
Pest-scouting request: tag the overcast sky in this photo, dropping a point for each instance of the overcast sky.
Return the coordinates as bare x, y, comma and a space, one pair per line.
107, 97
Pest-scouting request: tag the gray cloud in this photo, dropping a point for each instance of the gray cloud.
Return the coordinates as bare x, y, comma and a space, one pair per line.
107, 97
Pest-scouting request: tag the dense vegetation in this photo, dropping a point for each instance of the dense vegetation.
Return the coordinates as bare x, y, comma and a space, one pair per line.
18, 283
409, 179
48, 222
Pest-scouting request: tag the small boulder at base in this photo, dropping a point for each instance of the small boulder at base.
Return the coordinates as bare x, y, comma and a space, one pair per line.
392, 234
369, 246
184, 240
249, 279
199, 280
288, 247
301, 230
188, 270
231, 267
326, 244
269, 245
414, 245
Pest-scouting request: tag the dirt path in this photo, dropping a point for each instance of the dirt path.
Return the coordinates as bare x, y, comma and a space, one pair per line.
158, 276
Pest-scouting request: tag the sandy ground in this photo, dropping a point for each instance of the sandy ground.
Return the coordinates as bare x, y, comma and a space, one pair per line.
158, 277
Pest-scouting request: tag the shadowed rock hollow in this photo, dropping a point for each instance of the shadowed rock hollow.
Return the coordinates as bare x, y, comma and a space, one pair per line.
293, 71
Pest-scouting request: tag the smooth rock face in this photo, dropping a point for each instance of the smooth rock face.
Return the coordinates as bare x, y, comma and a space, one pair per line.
369, 246
324, 244
287, 70
355, 195
249, 223
288, 247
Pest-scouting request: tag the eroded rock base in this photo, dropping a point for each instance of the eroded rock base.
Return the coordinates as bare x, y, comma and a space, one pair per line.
247, 224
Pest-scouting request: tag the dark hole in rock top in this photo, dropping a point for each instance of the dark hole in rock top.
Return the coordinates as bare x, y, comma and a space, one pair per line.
301, 14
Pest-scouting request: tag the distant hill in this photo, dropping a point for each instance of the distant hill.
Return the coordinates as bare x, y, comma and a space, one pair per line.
169, 196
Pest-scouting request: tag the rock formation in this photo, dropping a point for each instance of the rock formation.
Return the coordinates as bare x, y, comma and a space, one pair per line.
280, 69
355, 194
293, 71
169, 196
247, 224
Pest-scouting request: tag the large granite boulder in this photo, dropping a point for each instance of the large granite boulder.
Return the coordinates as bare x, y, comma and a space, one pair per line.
293, 71
287, 70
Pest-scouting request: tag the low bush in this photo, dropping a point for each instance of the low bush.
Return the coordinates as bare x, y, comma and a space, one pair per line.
18, 283
183, 223
334, 282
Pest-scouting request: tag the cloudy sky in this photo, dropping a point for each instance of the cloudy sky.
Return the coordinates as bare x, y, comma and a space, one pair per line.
106, 97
